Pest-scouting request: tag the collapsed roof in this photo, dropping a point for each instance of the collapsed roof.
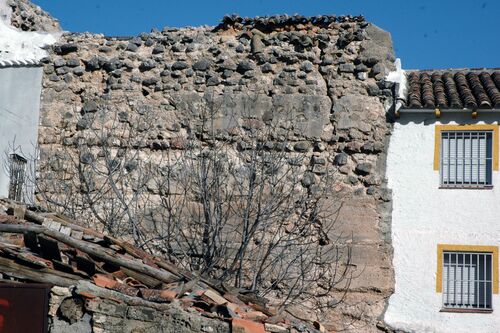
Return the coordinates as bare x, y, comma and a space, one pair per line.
50, 248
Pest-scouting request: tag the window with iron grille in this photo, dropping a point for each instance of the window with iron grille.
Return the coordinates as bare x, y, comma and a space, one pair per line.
466, 158
467, 280
17, 171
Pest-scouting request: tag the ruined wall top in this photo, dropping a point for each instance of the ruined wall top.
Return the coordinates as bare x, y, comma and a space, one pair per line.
287, 54
29, 17
284, 22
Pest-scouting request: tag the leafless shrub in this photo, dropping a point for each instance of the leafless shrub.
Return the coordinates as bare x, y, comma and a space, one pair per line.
234, 203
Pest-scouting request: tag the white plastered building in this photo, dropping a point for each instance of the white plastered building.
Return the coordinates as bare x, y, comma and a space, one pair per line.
20, 89
443, 169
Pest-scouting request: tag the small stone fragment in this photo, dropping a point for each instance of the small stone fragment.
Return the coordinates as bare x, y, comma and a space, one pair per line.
158, 49
245, 66
363, 169
89, 106
179, 65
147, 65
346, 68
202, 65
302, 146
341, 159
307, 66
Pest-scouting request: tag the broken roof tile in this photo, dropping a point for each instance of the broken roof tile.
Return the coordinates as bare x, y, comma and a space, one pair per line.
104, 281
255, 316
155, 295
34, 260
125, 289
213, 297
168, 294
246, 326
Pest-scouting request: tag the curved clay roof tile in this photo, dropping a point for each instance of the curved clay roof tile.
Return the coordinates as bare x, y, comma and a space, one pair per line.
439, 90
427, 91
451, 91
477, 89
496, 78
465, 93
491, 89
414, 93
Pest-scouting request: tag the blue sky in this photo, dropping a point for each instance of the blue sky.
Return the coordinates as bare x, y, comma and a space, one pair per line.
426, 33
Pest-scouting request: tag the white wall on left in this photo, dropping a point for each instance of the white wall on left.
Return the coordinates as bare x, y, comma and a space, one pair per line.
21, 47
20, 89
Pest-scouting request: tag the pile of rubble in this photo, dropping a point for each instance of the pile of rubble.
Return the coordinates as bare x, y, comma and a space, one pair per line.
106, 285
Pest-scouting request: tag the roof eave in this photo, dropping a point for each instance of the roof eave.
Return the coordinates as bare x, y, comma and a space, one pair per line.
466, 110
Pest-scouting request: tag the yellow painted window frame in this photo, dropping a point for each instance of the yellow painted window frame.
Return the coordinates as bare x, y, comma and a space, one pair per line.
442, 128
465, 248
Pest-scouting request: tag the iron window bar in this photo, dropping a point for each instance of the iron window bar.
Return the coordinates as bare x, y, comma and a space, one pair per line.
17, 177
467, 281
466, 159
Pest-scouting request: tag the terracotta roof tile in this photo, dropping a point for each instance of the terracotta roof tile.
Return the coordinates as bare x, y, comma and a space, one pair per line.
104, 281
491, 88
452, 89
439, 90
246, 326
452, 94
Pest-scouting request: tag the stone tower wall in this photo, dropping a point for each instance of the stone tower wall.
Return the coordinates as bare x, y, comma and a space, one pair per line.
327, 72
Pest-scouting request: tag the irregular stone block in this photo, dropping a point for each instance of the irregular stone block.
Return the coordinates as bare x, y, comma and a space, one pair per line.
202, 65
179, 65
106, 307
377, 48
363, 168
347, 68
142, 313
302, 146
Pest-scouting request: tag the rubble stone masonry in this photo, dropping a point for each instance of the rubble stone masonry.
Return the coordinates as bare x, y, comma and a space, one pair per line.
70, 313
324, 73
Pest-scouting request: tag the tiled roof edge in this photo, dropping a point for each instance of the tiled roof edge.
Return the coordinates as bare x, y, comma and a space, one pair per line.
453, 70
19, 63
453, 89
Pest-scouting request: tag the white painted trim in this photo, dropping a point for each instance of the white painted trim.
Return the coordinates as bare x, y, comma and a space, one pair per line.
399, 77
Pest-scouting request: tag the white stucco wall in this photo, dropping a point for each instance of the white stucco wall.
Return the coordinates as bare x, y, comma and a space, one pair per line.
425, 216
20, 89
20, 47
